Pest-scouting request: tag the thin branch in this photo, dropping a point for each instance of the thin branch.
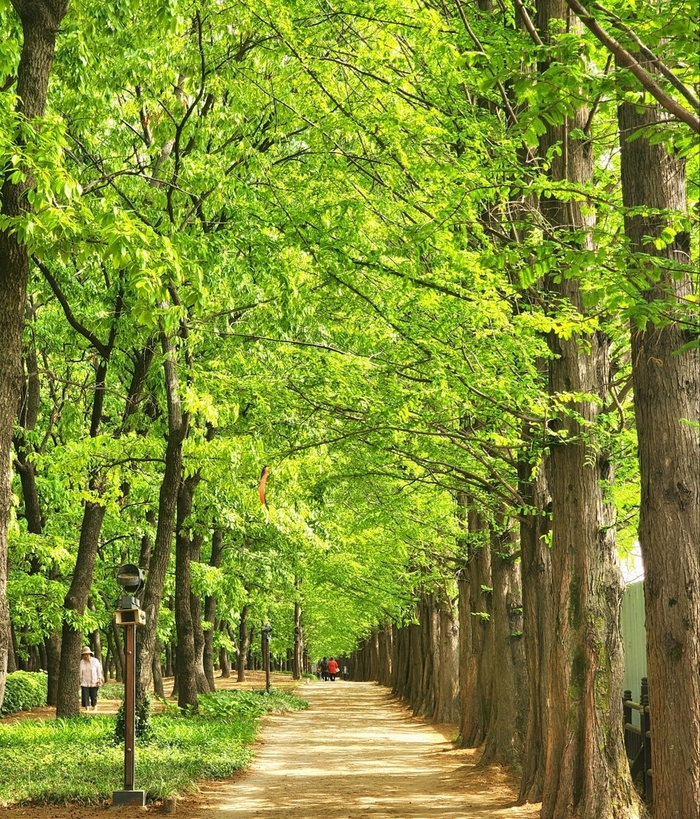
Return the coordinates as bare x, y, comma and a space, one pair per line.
661, 67
101, 348
626, 60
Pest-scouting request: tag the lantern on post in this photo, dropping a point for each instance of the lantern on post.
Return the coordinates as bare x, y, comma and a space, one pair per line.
266, 631
128, 615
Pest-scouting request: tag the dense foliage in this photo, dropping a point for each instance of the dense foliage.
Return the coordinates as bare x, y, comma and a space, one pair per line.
24, 690
371, 246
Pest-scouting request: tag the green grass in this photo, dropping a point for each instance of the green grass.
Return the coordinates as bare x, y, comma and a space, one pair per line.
78, 761
111, 691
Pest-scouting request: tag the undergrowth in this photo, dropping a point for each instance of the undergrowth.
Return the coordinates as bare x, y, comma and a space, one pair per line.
78, 760
24, 690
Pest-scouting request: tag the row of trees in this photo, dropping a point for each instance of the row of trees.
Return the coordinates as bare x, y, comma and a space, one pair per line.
419, 258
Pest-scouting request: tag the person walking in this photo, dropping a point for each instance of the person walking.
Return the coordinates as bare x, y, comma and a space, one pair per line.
332, 669
91, 678
324, 669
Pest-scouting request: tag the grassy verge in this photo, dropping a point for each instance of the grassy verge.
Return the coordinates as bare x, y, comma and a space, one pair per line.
111, 691
78, 761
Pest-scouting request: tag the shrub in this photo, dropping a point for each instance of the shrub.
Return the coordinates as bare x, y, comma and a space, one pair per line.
142, 721
45, 761
24, 690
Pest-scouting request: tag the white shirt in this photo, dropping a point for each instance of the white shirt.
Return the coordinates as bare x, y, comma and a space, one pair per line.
90, 672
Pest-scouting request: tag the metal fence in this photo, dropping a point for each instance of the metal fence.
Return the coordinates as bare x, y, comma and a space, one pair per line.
638, 740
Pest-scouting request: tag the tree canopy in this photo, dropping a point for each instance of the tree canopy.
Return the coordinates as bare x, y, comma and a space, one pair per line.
358, 243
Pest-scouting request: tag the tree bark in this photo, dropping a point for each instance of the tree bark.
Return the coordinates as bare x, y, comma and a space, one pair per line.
217, 553
505, 736
666, 382
447, 695
475, 631
197, 627
586, 770
158, 688
224, 663
243, 644
119, 658
386, 636
28, 417
298, 634
184, 624
167, 504
67, 703
538, 623
399, 663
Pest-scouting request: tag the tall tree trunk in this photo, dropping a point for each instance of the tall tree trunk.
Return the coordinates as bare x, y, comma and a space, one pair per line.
428, 658
119, 657
298, 635
169, 663
505, 737
186, 653
476, 633
67, 703
40, 23
538, 623
96, 643
586, 770
250, 659
415, 666
158, 688
447, 695
386, 637
224, 663
197, 627
28, 416
242, 659
77, 598
667, 409
167, 505
399, 663
217, 553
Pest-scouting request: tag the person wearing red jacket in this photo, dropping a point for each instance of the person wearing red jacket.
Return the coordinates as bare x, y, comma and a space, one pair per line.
333, 669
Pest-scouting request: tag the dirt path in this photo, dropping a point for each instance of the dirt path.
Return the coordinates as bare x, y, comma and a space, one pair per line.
354, 754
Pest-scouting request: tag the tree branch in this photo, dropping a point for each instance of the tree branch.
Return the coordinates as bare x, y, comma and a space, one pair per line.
101, 348
626, 60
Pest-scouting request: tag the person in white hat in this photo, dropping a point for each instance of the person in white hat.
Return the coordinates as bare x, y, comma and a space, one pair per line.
90, 678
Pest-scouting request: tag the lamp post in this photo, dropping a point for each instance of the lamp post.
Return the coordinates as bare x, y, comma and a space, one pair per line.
266, 631
129, 615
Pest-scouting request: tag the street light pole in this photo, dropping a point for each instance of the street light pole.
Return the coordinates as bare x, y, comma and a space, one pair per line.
129, 706
129, 615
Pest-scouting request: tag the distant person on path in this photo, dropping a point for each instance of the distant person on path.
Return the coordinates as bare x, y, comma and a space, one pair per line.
319, 670
332, 669
90, 678
324, 669
346, 673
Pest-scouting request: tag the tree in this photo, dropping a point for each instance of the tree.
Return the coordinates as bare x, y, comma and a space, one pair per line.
40, 21
584, 746
666, 371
